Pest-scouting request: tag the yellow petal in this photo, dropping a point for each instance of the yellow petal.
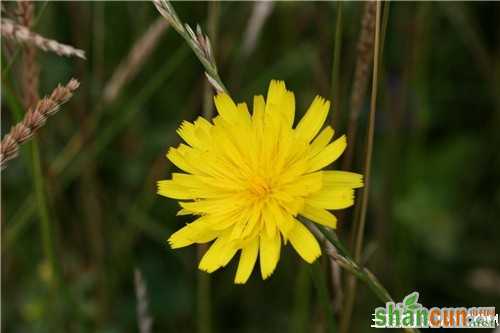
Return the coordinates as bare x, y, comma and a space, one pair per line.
228, 254
313, 120
196, 232
216, 206
259, 106
201, 122
281, 101
270, 226
275, 92
274, 214
176, 157
305, 185
319, 215
243, 220
320, 142
243, 114
187, 132
288, 108
269, 254
227, 108
247, 261
253, 220
170, 189
304, 243
197, 184
203, 133
224, 220
184, 186
332, 198
328, 155
337, 178
213, 258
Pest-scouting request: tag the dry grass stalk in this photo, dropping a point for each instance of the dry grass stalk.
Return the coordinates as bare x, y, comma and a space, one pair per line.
30, 68
33, 120
335, 275
129, 67
361, 74
144, 320
23, 35
359, 224
260, 13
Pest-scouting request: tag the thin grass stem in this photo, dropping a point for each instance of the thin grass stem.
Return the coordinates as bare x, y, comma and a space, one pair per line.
204, 309
321, 285
302, 299
370, 135
335, 90
45, 224
360, 224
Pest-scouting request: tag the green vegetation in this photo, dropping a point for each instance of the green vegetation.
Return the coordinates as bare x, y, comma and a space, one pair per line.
431, 219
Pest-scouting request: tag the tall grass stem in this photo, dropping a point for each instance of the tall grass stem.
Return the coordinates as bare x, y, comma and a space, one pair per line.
337, 48
360, 224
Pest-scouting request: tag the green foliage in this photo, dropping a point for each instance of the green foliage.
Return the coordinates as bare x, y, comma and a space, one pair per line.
435, 200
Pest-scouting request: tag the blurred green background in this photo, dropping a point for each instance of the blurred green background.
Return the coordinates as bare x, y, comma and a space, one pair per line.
432, 223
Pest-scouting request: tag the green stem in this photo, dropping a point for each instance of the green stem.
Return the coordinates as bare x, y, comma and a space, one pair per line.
56, 290
336, 57
43, 211
321, 285
360, 213
302, 297
346, 261
204, 307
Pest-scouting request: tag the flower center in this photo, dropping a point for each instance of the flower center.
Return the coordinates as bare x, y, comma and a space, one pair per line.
259, 187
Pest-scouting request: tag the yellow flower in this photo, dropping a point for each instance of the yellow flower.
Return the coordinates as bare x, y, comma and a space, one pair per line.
248, 178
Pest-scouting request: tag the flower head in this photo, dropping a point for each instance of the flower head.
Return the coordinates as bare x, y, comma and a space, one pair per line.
249, 176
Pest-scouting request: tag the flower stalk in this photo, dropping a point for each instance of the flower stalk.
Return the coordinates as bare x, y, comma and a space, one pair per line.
338, 252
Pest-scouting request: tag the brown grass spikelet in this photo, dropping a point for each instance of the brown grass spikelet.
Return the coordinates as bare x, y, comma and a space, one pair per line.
361, 74
22, 34
30, 69
33, 120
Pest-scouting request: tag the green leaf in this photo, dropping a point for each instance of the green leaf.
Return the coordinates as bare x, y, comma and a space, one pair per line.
411, 299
